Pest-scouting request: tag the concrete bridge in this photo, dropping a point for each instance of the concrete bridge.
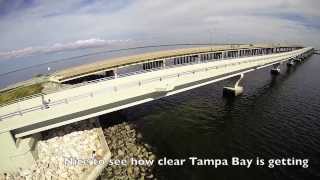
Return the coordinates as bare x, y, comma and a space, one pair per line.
161, 74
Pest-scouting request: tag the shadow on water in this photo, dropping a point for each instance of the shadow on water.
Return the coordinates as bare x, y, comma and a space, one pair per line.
113, 118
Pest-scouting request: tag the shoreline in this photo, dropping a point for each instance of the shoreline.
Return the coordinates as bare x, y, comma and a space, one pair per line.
80, 141
126, 144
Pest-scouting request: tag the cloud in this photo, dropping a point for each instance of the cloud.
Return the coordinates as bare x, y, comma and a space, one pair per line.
19, 52
9, 6
44, 23
57, 47
78, 44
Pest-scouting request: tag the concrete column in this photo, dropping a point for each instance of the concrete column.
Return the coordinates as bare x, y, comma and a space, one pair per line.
298, 59
17, 153
275, 69
234, 91
290, 63
115, 73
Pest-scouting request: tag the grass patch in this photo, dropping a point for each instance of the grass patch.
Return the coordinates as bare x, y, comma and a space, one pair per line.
20, 92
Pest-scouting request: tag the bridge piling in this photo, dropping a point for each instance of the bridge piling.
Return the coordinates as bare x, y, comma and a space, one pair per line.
290, 63
275, 69
234, 91
298, 59
17, 153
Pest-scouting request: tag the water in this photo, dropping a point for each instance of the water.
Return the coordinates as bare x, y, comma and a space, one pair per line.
276, 117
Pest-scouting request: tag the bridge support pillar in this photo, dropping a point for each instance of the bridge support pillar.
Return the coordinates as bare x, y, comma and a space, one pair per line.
276, 69
17, 153
234, 91
290, 63
298, 59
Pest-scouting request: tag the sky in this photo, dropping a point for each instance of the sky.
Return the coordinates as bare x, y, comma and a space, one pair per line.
40, 26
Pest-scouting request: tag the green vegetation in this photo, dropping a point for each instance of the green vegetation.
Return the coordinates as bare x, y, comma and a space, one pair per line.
20, 92
38, 75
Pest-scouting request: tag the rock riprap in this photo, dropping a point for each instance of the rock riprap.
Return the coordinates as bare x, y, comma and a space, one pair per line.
77, 141
125, 144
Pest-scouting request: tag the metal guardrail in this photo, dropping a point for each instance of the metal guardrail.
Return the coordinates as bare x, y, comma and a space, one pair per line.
116, 88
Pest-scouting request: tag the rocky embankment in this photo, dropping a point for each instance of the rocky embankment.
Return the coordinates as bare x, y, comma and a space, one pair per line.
126, 144
81, 141
78, 141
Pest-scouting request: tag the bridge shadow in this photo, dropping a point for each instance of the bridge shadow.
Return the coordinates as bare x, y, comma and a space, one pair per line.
68, 129
113, 118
